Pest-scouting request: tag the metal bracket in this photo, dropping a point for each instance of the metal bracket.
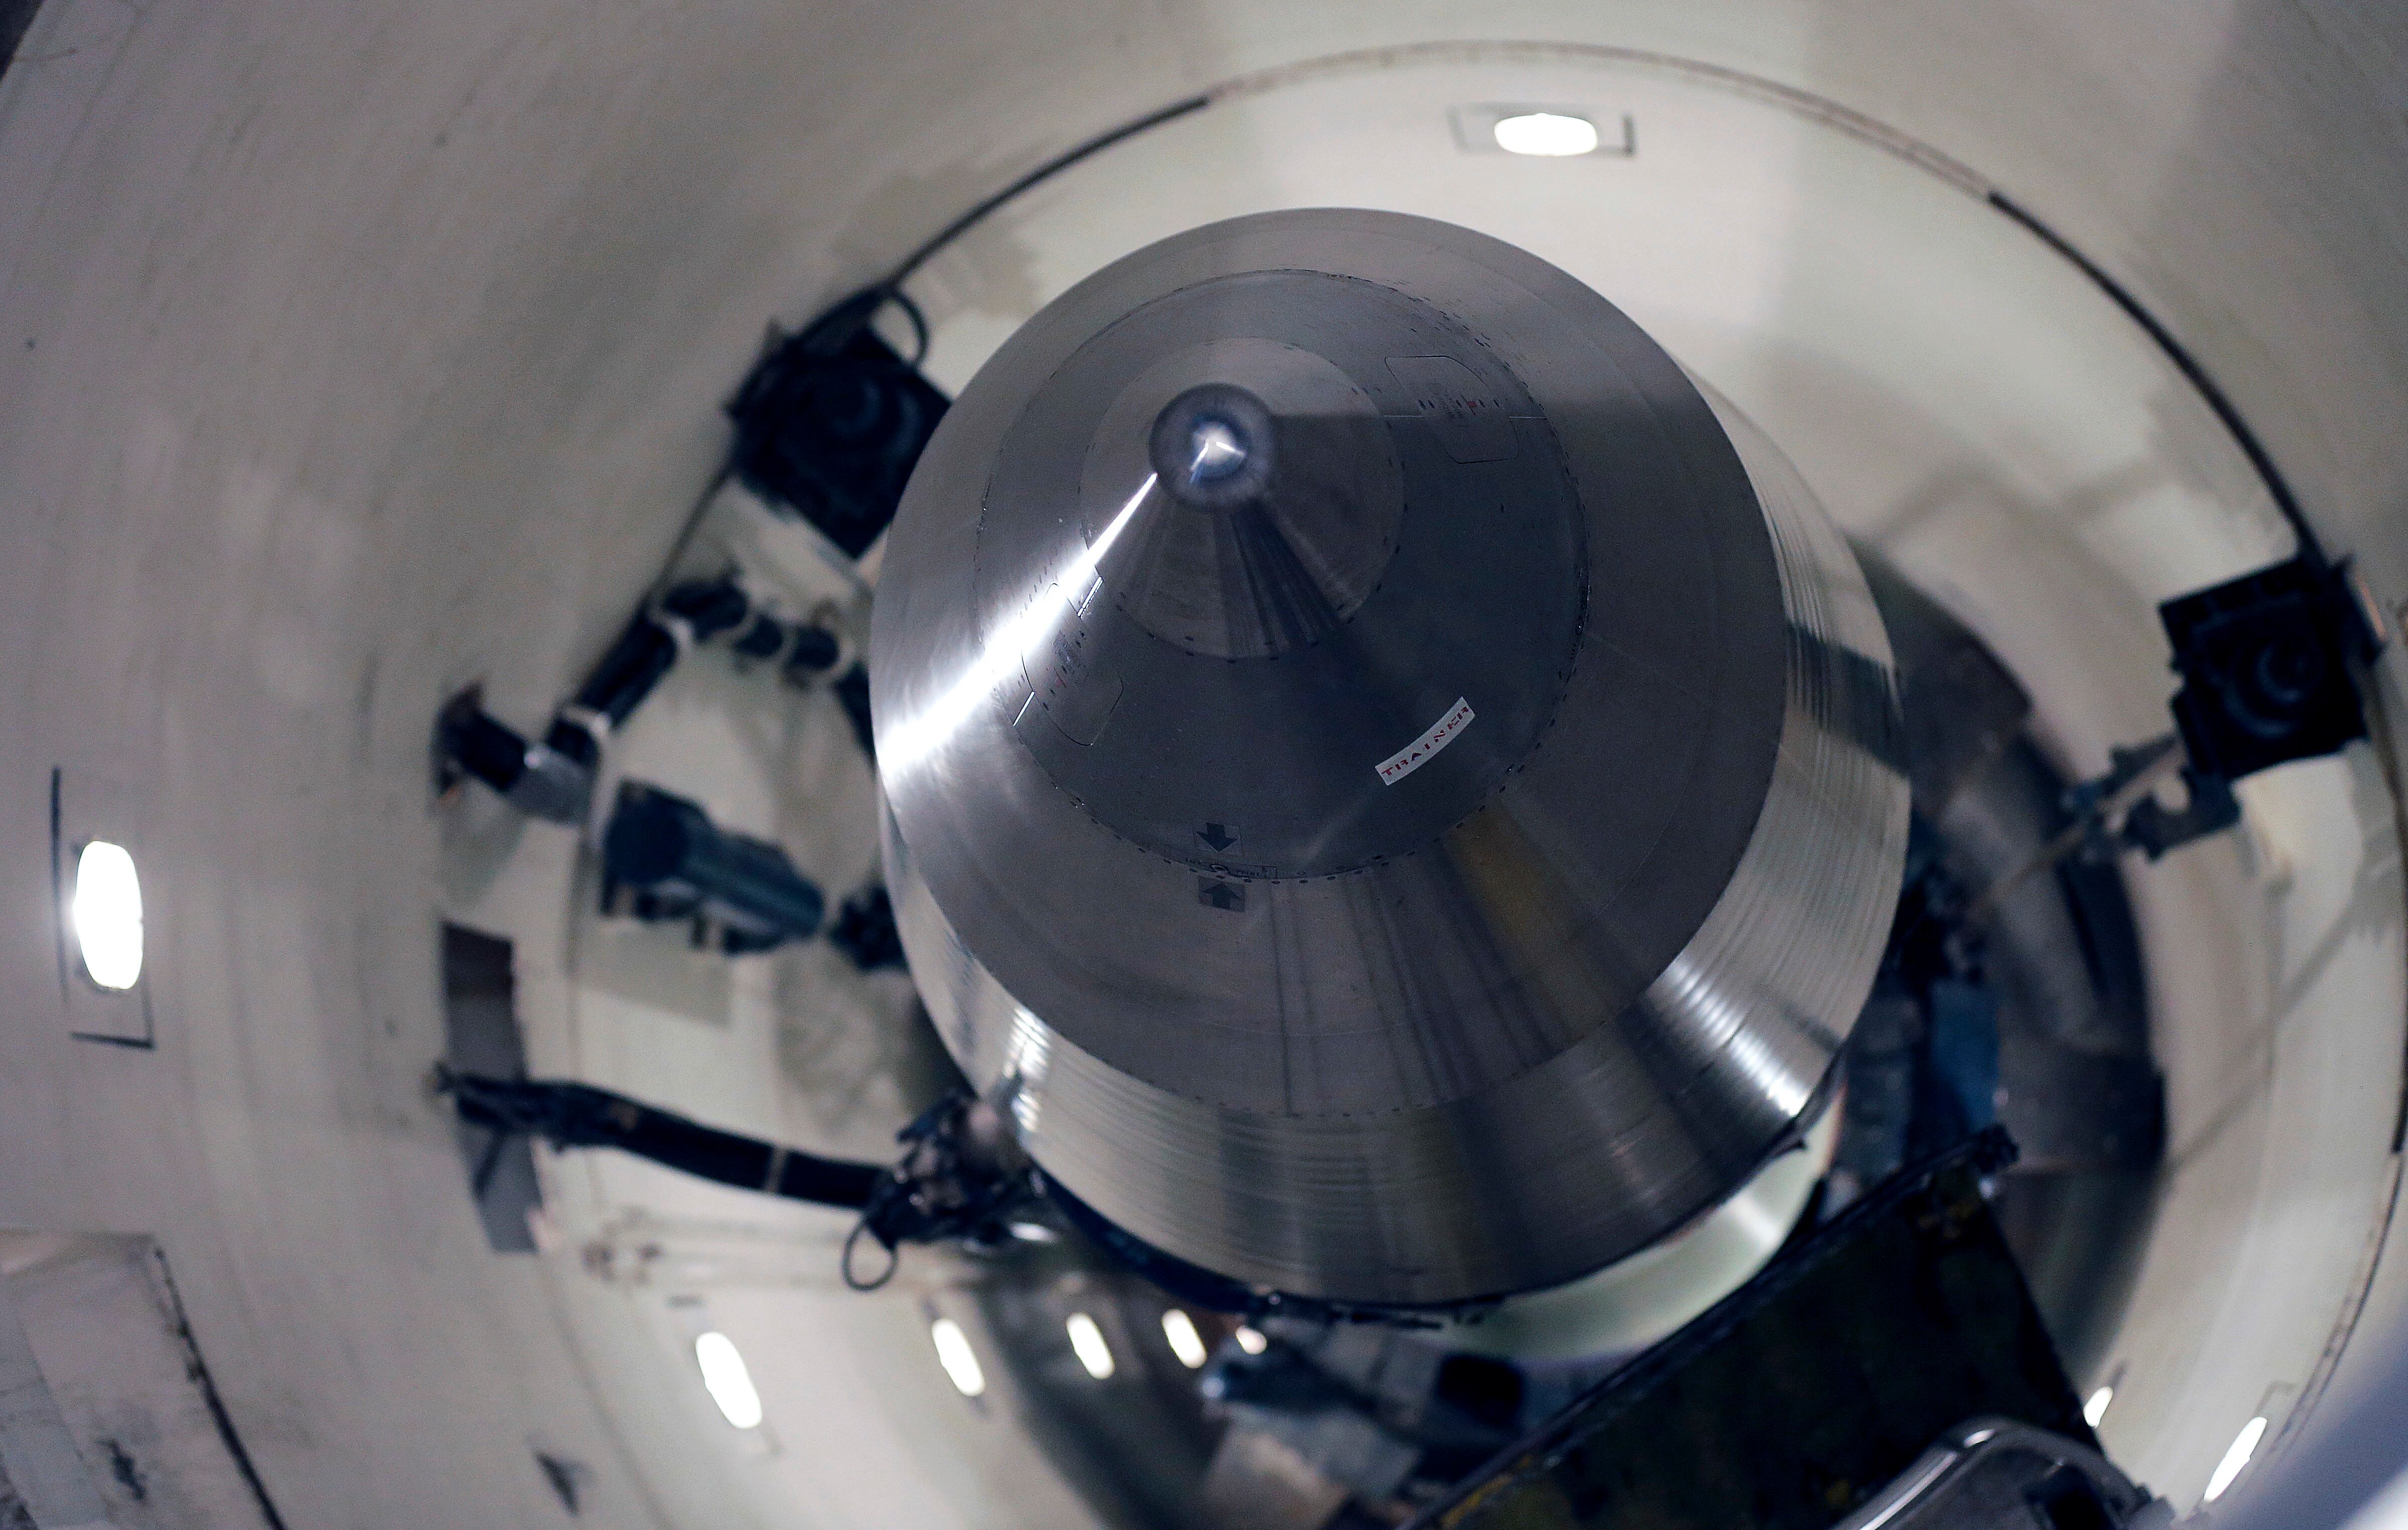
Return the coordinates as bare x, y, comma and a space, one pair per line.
2265, 663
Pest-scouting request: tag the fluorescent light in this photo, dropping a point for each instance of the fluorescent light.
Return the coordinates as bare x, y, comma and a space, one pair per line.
1185, 1342
729, 1383
107, 913
1252, 1340
1549, 133
2244, 1445
955, 1353
2096, 1409
1088, 1342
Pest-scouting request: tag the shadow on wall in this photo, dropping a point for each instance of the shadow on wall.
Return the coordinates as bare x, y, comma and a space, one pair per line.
15, 17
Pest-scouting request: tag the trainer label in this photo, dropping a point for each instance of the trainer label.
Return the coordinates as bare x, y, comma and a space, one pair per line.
1396, 767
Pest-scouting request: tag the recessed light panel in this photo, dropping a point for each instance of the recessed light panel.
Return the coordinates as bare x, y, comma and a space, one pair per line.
955, 1353
1185, 1342
107, 913
1549, 135
1087, 1342
729, 1383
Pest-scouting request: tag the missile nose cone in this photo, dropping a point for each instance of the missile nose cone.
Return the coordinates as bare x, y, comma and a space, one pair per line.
1386, 778
1215, 452
1212, 446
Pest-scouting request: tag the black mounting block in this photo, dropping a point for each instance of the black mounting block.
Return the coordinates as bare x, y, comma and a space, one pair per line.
830, 423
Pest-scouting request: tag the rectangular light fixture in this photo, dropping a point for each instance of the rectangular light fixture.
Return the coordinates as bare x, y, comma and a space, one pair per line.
727, 1380
106, 910
1087, 1342
1185, 1342
955, 1353
2244, 1445
98, 899
1543, 131
2095, 1407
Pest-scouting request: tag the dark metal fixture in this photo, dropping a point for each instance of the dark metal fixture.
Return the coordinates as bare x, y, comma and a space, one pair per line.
959, 1178
864, 930
1789, 1404
2269, 663
554, 779
1996, 1474
663, 861
831, 420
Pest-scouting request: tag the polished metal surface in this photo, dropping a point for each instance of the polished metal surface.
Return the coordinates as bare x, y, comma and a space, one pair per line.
1998, 1474
1444, 862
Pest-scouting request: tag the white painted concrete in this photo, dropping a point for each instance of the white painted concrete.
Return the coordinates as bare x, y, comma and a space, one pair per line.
348, 355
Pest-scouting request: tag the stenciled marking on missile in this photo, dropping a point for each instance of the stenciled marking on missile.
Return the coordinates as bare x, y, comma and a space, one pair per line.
1217, 838
1464, 412
1228, 897
1422, 750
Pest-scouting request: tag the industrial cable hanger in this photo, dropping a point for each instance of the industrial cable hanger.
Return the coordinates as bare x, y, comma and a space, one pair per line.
959, 1178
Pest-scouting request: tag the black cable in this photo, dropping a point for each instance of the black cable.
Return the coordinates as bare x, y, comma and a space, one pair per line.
1052, 167
835, 327
2260, 458
840, 321
575, 1115
951, 1185
844, 1261
918, 325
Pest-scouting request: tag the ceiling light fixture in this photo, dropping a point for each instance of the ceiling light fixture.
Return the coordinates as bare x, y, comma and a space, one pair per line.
729, 1383
953, 1352
2096, 1409
1185, 1342
1252, 1340
107, 914
1548, 134
1087, 1341
2244, 1445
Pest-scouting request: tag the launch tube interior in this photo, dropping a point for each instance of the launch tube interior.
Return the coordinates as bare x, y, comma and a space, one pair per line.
364, 379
